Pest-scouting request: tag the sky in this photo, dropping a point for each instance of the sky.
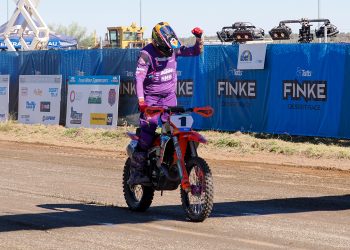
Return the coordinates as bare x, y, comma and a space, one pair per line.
183, 15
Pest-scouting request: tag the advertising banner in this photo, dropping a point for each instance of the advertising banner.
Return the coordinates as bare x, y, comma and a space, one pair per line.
92, 101
306, 89
4, 97
39, 99
251, 56
239, 97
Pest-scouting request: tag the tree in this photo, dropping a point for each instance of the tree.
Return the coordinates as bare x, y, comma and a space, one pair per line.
78, 32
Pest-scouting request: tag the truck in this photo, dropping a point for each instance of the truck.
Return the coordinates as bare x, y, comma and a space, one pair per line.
126, 37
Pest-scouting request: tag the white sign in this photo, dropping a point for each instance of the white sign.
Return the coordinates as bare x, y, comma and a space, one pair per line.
4, 97
251, 56
92, 101
39, 99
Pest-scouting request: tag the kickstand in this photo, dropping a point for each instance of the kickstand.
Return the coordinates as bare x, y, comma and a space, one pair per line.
161, 193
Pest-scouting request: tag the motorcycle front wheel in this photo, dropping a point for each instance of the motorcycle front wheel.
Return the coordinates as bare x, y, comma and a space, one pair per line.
138, 198
198, 203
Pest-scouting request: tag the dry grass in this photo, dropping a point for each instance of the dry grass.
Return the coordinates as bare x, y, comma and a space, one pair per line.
219, 142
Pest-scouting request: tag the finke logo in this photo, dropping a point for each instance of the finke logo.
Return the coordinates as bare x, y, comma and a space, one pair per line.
184, 88
238, 89
307, 90
127, 89
246, 56
304, 73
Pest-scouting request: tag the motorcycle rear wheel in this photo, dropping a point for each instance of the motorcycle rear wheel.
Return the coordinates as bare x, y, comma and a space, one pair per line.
198, 203
138, 198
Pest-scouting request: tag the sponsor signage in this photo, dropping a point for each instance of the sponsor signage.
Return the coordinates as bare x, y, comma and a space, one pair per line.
39, 99
92, 101
4, 97
251, 56
52, 44
101, 119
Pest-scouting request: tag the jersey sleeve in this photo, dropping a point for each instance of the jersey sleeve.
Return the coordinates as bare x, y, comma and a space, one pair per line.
191, 51
143, 64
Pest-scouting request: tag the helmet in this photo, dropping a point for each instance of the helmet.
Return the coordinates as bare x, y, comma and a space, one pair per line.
165, 39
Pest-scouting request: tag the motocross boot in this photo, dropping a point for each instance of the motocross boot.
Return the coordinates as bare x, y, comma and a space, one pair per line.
137, 165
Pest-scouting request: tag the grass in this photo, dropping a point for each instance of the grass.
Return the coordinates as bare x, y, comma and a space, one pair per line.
226, 142
239, 143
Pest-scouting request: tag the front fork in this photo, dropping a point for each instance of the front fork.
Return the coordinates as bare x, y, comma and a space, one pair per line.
180, 150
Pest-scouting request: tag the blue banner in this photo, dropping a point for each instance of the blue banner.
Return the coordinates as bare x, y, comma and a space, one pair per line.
306, 87
237, 96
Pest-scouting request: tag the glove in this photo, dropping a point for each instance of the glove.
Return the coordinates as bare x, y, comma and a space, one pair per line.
142, 105
197, 32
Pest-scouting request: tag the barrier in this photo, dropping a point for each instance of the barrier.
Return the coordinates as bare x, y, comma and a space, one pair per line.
303, 90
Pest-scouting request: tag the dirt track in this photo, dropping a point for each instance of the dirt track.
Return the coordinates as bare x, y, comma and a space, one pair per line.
67, 198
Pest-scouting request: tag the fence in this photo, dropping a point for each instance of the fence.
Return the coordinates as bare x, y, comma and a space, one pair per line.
303, 90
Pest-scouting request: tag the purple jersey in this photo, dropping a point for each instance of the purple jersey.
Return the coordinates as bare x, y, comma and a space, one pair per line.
155, 74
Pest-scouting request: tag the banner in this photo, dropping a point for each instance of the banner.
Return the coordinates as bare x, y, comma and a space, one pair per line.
306, 89
92, 101
39, 99
251, 56
239, 97
4, 97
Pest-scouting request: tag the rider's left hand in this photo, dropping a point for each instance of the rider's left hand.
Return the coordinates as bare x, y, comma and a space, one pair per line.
197, 32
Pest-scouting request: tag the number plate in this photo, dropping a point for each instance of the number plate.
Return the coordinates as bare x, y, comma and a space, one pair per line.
182, 122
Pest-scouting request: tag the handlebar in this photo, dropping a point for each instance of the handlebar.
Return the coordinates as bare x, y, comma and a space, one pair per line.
203, 111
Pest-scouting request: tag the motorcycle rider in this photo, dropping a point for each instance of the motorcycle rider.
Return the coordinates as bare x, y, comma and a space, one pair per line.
156, 80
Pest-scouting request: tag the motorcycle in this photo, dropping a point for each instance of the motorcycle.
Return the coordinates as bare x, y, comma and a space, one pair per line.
173, 161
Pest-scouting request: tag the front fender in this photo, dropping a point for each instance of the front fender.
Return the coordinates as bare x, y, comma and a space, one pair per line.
196, 137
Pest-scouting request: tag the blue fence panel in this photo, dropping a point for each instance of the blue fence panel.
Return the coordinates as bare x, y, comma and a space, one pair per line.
306, 87
238, 97
344, 123
9, 65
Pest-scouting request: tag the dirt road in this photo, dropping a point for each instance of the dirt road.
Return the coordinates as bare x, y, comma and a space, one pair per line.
68, 198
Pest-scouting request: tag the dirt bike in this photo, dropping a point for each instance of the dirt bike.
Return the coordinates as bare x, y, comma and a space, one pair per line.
173, 161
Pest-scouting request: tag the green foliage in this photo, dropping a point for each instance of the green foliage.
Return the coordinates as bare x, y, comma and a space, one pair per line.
78, 32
